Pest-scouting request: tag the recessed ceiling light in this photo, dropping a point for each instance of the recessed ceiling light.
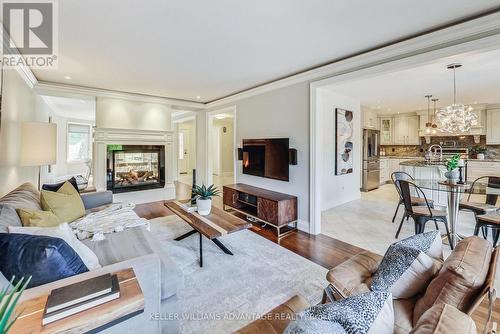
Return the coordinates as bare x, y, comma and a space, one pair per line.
67, 77
198, 97
221, 116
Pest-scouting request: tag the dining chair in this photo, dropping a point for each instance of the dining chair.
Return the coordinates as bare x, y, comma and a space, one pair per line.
490, 220
420, 214
480, 208
415, 200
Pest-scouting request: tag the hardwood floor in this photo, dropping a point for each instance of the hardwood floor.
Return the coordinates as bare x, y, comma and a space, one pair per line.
321, 249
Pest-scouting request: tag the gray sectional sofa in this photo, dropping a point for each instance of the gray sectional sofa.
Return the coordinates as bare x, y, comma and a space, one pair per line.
135, 248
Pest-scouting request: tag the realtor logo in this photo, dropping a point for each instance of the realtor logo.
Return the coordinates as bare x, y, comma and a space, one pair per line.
30, 33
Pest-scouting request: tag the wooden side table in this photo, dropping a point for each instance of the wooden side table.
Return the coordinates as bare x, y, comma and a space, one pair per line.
130, 304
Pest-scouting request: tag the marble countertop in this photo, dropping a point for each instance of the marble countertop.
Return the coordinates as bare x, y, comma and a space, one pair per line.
422, 163
400, 157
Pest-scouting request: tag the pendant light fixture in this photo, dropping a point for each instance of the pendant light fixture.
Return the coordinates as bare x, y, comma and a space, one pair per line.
434, 125
456, 118
428, 125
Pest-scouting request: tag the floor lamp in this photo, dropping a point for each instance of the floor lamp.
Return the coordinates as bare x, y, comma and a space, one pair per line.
38, 145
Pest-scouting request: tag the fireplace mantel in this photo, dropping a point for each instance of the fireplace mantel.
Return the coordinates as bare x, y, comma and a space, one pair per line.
107, 136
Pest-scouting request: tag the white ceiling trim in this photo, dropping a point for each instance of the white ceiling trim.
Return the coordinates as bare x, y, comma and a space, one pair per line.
51, 88
473, 30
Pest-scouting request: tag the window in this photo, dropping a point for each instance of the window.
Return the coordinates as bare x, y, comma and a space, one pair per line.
79, 142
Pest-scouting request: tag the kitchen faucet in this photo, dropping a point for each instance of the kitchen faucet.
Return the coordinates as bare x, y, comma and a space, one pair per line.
433, 152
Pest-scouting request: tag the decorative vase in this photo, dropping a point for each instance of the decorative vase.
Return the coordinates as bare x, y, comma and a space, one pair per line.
452, 176
204, 206
480, 156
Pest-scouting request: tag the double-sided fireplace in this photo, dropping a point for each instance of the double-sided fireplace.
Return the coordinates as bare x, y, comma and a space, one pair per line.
135, 167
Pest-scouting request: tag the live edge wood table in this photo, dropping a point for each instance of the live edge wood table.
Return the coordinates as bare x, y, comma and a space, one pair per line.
96, 319
217, 224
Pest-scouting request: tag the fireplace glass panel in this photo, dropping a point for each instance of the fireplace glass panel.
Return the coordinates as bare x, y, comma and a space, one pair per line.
133, 169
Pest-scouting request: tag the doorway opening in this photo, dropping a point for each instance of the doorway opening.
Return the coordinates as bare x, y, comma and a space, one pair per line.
221, 147
186, 149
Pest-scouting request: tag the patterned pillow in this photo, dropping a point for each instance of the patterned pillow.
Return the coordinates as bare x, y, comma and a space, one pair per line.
370, 312
404, 271
430, 243
314, 326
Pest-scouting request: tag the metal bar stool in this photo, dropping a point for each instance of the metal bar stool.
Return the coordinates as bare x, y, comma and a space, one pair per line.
420, 214
415, 200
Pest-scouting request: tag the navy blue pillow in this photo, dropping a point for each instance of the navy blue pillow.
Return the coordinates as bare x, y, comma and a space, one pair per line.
46, 259
56, 186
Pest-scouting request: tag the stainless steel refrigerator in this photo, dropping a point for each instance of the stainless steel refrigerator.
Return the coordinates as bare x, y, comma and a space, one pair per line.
371, 160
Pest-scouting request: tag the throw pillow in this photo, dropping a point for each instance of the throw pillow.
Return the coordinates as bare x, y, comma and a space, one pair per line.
64, 232
37, 218
404, 271
314, 326
66, 203
370, 312
429, 242
45, 259
56, 186
8, 217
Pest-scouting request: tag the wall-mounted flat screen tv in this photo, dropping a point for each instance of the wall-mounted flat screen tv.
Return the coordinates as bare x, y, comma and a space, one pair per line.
266, 158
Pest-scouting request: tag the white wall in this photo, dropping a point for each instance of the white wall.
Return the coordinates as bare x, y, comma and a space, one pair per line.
337, 189
279, 113
226, 146
18, 105
132, 115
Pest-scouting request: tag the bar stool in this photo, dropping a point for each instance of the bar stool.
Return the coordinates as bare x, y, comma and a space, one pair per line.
415, 200
420, 214
492, 221
479, 208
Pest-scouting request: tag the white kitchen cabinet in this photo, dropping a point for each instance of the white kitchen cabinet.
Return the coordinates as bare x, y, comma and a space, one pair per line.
370, 120
406, 130
384, 171
478, 168
386, 130
412, 137
493, 127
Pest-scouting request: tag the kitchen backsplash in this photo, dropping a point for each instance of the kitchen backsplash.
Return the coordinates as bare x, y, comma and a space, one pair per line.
493, 151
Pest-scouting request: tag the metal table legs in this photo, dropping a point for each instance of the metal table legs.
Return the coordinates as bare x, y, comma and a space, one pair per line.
215, 240
454, 196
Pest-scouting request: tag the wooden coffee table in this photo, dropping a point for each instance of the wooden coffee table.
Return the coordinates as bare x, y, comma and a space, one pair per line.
217, 224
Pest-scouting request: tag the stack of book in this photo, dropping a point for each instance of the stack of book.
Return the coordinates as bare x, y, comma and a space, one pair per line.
80, 296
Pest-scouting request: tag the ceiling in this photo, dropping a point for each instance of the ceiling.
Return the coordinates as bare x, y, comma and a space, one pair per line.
478, 81
205, 50
76, 109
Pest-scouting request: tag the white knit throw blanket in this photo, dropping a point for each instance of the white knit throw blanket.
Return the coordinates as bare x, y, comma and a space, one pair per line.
115, 218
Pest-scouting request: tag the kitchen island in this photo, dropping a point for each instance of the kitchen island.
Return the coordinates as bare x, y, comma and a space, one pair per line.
430, 171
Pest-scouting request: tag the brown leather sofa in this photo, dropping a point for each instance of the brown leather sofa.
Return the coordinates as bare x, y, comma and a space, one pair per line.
440, 319
465, 280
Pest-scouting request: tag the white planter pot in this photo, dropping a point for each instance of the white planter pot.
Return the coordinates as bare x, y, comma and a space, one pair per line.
204, 206
480, 156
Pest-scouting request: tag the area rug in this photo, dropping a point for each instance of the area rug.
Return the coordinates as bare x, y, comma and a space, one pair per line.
231, 291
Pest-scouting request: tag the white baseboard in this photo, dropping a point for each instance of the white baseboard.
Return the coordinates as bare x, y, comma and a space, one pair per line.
303, 226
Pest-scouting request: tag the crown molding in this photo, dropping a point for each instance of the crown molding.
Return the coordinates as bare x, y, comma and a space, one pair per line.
458, 34
51, 88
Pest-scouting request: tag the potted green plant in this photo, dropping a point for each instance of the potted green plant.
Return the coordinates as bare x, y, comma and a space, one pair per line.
9, 296
451, 167
479, 152
204, 198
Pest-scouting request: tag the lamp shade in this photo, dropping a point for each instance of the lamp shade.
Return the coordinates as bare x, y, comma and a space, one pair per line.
38, 143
